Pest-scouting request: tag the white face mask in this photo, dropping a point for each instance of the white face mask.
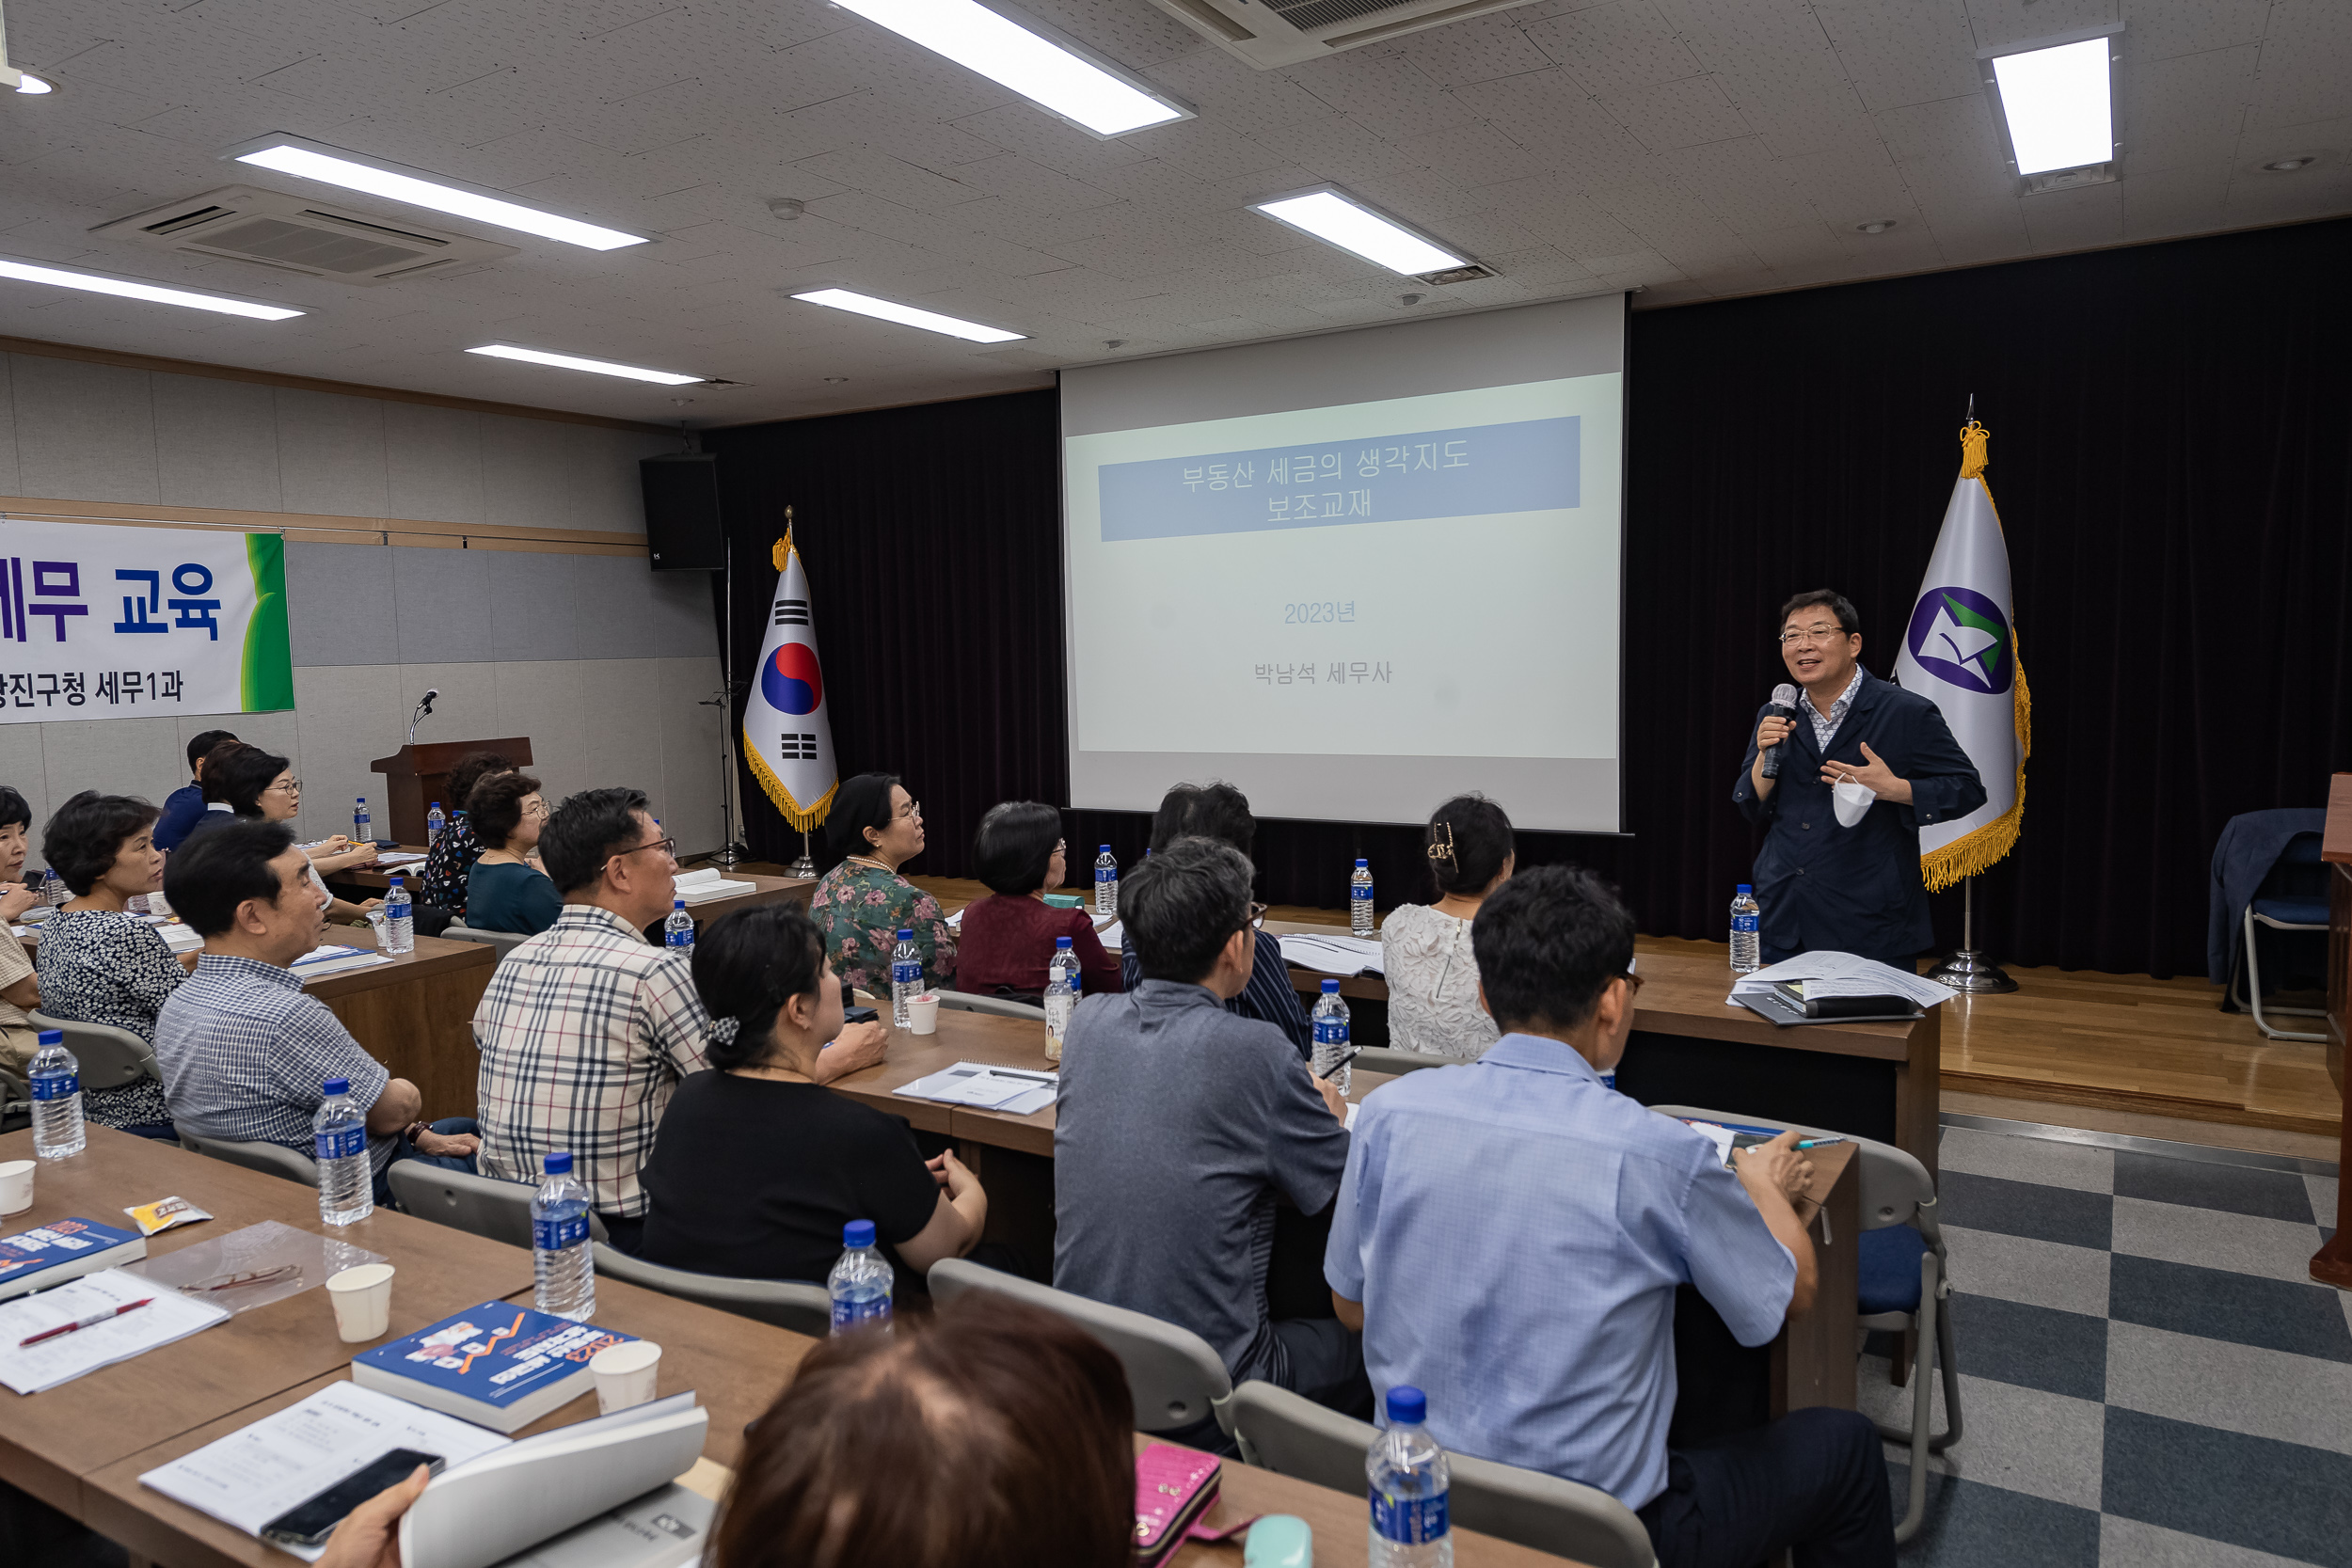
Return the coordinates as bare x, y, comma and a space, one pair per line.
1853, 801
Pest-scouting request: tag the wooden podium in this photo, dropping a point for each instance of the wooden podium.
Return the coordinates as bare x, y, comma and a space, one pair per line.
2332, 1263
415, 775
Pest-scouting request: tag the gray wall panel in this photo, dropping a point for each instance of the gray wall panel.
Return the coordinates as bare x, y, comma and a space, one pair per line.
216, 443
83, 431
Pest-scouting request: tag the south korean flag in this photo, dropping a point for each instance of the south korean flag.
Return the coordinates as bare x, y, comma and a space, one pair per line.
786, 737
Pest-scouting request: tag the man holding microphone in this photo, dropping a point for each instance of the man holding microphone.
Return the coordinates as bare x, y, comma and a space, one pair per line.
1862, 764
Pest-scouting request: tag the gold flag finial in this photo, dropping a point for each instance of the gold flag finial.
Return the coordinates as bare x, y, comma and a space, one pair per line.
1972, 438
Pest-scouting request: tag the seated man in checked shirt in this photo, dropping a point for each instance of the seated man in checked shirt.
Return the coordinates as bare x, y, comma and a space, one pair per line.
1510, 1233
244, 1050
587, 1027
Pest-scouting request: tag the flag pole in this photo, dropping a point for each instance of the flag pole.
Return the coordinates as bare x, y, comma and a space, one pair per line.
1968, 970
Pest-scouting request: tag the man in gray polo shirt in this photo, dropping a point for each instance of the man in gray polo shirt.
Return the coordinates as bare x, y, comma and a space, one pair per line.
1180, 1123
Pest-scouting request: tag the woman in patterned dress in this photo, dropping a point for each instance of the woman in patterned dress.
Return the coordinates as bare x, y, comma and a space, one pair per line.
863, 904
1426, 948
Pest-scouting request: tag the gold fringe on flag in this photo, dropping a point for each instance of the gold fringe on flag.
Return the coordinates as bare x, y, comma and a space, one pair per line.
802, 817
1972, 438
1982, 847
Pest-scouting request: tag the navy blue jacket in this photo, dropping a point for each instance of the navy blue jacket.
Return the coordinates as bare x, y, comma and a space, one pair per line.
1829, 888
184, 808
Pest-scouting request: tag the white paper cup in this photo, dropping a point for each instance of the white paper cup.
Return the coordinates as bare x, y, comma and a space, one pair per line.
923, 1013
16, 1186
626, 1374
363, 1301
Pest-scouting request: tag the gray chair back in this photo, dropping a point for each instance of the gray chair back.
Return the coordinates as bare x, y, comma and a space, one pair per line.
1895, 1188
803, 1307
1380, 1058
505, 942
477, 1205
270, 1159
1003, 1007
1174, 1375
109, 1057
1293, 1435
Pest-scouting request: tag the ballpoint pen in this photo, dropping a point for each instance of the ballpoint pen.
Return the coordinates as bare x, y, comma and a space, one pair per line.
90, 1321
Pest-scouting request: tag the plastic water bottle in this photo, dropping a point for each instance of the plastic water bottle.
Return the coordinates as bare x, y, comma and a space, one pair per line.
677, 928
1061, 996
860, 1281
57, 1084
906, 978
51, 888
1360, 899
1331, 1024
1410, 1481
339, 1142
400, 918
1747, 915
434, 820
560, 1256
361, 832
1106, 882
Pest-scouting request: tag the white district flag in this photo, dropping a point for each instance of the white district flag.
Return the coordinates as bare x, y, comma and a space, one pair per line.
787, 737
1961, 652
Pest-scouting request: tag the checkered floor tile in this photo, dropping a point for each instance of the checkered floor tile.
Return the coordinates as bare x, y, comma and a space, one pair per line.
2148, 1374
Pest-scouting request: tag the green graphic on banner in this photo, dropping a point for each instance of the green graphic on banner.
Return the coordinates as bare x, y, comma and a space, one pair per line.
268, 671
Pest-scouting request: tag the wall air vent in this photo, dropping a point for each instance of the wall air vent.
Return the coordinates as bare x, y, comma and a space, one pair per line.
1271, 33
273, 230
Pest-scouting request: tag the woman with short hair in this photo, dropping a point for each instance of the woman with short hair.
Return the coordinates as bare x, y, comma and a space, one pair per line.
864, 903
449, 860
1007, 938
98, 963
505, 892
1426, 948
259, 785
20, 991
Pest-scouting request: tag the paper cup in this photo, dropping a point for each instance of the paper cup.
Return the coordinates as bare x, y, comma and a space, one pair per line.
363, 1301
923, 1013
626, 1374
16, 1186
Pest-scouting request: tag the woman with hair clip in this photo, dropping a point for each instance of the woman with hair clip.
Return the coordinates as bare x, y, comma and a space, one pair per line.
756, 1168
863, 903
1426, 948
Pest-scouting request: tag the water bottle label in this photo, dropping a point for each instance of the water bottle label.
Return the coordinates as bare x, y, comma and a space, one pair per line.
1409, 1521
679, 939
848, 1314
1106, 874
555, 1235
1743, 922
1330, 1031
56, 1086
909, 973
341, 1143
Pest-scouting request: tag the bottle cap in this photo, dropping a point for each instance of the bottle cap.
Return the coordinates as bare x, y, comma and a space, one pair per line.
1060, 943
1330, 988
51, 1037
1746, 888
678, 903
436, 805
1107, 849
858, 1233
906, 934
559, 1162
1408, 1406
1361, 864
335, 1086
400, 881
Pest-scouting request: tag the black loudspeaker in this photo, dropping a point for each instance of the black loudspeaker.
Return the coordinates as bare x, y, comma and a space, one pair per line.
682, 532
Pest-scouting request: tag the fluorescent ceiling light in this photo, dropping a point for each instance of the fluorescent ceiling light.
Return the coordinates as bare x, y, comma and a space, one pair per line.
28, 82
25, 272
907, 315
2056, 101
332, 168
1335, 220
573, 362
1045, 72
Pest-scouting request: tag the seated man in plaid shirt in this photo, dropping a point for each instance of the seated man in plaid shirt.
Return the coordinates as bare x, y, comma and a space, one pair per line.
587, 1027
244, 1050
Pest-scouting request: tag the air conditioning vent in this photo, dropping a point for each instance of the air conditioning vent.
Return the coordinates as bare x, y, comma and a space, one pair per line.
2071, 179
1285, 32
272, 230
1468, 273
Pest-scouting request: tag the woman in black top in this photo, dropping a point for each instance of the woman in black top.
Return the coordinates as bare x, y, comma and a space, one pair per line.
756, 1168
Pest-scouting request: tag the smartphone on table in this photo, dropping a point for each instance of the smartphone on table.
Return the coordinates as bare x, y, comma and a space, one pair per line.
309, 1523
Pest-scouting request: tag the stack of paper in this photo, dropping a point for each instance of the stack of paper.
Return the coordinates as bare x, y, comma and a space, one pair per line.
1333, 954
700, 887
167, 1316
333, 959
1825, 975
396, 857
1112, 936
1015, 1091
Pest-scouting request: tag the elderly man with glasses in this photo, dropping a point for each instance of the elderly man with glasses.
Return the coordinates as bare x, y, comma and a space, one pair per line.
1847, 882
587, 1027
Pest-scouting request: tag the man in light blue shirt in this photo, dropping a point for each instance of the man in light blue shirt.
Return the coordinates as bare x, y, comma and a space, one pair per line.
1510, 1235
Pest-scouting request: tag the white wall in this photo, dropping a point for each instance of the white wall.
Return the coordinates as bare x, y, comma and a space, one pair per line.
597, 660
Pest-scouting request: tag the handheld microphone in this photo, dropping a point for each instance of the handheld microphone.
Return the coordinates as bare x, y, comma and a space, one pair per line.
1783, 706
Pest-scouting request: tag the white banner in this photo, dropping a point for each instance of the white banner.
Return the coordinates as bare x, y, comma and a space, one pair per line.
120, 623
787, 739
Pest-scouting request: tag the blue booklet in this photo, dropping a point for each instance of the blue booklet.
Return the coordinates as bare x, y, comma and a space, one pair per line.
62, 1250
497, 1364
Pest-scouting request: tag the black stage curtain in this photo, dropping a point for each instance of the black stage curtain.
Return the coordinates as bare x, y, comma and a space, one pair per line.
2172, 455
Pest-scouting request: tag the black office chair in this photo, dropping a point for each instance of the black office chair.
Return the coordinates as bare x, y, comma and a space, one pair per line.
2292, 897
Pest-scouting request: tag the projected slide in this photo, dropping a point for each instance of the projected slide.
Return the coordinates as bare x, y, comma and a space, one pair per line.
1355, 572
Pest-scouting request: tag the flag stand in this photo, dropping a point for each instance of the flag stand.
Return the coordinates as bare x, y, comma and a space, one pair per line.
1969, 970
732, 850
805, 865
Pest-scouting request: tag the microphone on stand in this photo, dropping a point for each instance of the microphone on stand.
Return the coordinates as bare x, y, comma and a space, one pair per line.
1783, 706
426, 705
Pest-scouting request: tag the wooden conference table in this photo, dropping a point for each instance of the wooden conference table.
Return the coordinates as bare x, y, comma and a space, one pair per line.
1812, 1363
764, 890
82, 1447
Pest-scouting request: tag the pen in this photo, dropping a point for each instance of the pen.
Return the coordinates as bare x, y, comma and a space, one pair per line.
1816, 1143
1341, 1063
91, 1321
1015, 1073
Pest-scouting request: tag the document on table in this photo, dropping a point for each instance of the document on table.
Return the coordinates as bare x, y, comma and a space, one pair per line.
1844, 974
396, 857
253, 1475
1015, 1091
1333, 954
167, 1316
333, 959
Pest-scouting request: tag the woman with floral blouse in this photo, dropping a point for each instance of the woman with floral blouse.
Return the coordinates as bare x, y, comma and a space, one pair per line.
863, 904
